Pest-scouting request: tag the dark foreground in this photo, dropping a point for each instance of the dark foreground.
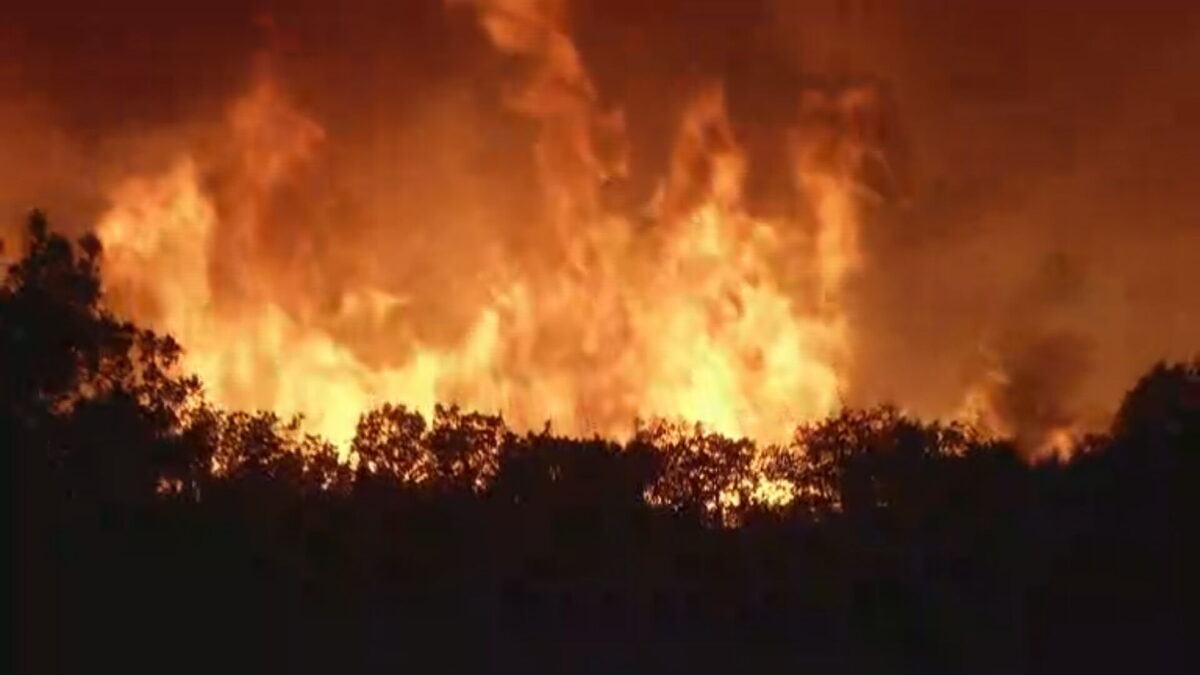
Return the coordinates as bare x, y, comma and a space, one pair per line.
459, 547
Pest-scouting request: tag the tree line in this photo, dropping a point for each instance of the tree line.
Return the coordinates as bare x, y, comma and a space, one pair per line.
155, 530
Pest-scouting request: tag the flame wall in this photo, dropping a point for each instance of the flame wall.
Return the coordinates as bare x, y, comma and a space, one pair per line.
742, 212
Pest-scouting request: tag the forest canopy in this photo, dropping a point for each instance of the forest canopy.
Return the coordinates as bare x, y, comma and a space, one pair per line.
872, 542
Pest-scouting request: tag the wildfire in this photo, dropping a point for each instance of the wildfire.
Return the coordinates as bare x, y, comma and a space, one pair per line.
687, 319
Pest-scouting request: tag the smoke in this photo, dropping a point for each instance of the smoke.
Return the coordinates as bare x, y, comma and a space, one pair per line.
1041, 256
1033, 236
1019, 137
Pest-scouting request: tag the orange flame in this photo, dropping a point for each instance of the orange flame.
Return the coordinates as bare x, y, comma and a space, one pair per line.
688, 321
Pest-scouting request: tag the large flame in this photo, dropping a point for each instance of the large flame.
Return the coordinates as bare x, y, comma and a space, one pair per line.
684, 319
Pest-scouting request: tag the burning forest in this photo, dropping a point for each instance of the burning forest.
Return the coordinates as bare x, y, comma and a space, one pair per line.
406, 258
596, 279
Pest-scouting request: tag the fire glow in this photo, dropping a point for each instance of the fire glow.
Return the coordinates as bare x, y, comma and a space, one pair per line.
687, 308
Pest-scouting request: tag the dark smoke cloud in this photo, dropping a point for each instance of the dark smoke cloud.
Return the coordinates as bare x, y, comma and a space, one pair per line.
1031, 135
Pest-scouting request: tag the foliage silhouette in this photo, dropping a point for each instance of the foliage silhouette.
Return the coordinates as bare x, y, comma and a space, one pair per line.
155, 530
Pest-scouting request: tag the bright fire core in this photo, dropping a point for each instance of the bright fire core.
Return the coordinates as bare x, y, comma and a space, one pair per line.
703, 313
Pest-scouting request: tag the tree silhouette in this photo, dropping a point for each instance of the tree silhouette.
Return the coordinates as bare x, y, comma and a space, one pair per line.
701, 472
155, 529
1164, 406
78, 383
